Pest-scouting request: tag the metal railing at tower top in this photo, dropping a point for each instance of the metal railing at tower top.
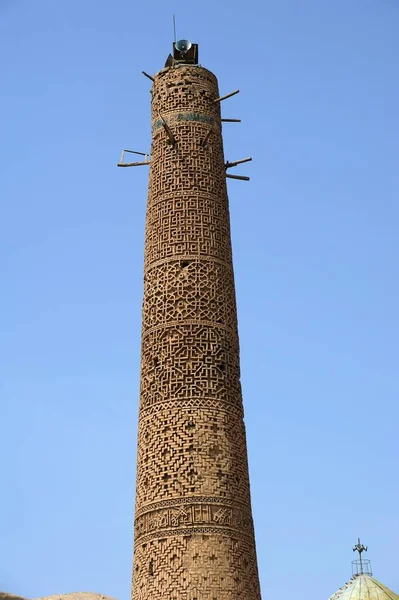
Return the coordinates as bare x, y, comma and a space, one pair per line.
361, 567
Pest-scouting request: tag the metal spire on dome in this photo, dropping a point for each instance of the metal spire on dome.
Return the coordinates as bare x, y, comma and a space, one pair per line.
362, 565
360, 548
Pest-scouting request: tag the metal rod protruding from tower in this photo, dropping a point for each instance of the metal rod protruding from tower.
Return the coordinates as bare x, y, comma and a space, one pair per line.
148, 76
360, 548
240, 177
170, 136
226, 96
228, 165
204, 141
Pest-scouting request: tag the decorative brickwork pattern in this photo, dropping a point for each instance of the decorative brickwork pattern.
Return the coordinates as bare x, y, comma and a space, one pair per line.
194, 537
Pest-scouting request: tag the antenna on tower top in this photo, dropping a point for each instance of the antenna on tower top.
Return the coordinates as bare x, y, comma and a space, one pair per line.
174, 29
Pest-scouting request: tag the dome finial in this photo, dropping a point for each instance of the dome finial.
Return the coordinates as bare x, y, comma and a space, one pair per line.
360, 563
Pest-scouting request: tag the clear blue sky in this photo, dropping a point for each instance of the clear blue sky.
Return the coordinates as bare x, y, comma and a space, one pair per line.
315, 239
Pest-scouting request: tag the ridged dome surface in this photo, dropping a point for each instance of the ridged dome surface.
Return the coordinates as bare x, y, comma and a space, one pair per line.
364, 587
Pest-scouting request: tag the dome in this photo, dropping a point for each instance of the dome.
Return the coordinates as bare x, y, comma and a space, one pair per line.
364, 587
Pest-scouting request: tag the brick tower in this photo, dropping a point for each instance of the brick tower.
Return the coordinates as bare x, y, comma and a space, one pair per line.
194, 537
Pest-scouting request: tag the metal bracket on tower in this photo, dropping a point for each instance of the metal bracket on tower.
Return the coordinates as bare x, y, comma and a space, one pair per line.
121, 163
148, 76
226, 96
241, 177
204, 141
171, 137
228, 165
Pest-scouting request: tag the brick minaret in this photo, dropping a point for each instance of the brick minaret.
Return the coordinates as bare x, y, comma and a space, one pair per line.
194, 537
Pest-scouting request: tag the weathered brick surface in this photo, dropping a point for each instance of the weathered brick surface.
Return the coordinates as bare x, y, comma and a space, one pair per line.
194, 537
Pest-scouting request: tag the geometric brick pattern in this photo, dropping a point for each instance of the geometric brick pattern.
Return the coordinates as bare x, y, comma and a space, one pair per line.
194, 536
206, 566
198, 290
